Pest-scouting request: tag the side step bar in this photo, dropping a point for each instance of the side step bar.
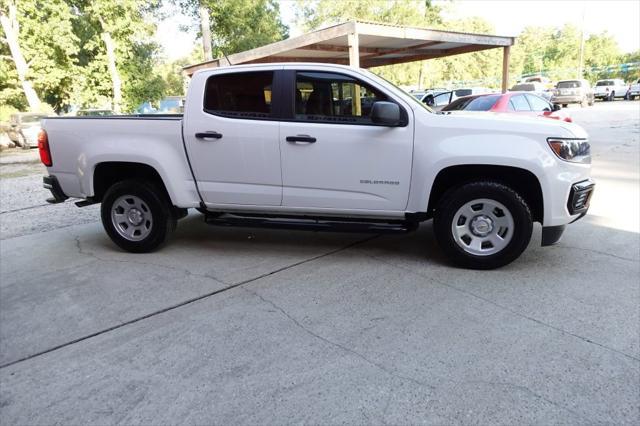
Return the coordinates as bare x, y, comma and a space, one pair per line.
310, 224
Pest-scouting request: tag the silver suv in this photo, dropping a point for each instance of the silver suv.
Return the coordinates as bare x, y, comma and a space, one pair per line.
577, 91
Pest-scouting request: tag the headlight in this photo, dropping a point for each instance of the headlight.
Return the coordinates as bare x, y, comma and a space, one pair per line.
574, 150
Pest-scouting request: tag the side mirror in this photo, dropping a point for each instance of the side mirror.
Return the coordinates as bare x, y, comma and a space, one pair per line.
556, 107
385, 113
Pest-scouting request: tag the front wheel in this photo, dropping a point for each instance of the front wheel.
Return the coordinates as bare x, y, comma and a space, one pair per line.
483, 225
137, 216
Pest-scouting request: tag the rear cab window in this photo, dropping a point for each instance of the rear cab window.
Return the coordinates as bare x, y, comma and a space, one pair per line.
605, 83
239, 95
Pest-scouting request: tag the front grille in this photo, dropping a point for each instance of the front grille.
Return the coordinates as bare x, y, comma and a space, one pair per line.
580, 196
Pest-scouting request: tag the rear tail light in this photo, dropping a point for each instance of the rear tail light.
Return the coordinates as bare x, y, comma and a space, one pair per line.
43, 148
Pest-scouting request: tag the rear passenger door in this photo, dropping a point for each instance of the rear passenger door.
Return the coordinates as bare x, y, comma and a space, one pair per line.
333, 156
231, 136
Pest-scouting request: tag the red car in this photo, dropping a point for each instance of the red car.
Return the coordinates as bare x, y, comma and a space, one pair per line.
512, 102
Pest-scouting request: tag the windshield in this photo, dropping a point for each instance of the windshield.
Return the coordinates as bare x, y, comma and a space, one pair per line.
605, 83
480, 103
408, 97
568, 84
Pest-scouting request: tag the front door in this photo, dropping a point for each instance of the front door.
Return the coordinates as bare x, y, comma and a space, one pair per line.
232, 140
334, 157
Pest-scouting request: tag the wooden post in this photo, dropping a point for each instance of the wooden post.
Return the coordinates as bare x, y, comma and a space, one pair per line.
505, 68
354, 50
354, 61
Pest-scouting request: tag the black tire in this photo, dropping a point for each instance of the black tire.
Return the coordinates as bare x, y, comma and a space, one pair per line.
163, 219
565, 105
454, 199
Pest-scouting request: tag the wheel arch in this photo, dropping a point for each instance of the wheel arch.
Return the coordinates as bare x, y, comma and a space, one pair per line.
523, 181
107, 173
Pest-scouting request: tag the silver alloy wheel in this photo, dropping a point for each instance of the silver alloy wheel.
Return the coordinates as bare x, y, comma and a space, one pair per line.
131, 217
482, 227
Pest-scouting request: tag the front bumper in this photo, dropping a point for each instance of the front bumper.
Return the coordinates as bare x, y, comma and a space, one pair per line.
577, 204
52, 184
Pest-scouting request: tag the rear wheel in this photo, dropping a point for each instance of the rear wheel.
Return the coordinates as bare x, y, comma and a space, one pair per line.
565, 105
483, 225
137, 216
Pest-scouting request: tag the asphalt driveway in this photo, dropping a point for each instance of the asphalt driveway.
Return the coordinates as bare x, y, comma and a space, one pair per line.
242, 326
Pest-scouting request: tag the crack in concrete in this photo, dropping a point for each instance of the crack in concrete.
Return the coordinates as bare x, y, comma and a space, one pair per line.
24, 208
336, 344
530, 392
172, 268
178, 305
503, 307
595, 251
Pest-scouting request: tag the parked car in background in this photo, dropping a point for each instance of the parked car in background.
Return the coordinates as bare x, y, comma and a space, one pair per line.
426, 96
577, 91
609, 89
168, 105
634, 89
443, 99
171, 105
93, 112
512, 102
536, 79
534, 87
24, 128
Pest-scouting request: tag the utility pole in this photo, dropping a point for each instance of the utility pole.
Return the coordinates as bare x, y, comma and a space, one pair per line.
580, 63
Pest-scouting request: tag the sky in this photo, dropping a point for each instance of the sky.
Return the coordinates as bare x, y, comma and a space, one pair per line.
621, 18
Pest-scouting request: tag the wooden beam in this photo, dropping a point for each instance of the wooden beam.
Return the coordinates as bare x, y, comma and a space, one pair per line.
416, 47
432, 54
506, 52
336, 48
270, 59
393, 31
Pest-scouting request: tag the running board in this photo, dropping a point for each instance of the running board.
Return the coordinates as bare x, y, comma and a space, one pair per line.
307, 224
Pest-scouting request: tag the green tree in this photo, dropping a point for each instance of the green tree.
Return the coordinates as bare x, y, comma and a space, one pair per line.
115, 49
40, 41
237, 25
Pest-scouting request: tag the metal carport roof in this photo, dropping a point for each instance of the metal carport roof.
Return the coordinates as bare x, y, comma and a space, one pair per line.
366, 45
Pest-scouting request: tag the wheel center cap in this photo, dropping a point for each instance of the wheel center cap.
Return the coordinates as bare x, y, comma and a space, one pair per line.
481, 225
135, 216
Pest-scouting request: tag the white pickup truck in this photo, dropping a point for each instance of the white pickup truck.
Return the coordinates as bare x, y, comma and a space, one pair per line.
319, 147
609, 89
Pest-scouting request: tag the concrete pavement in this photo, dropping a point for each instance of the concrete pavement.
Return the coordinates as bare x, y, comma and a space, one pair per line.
239, 326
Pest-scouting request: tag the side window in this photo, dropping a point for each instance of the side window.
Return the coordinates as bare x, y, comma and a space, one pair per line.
239, 95
520, 103
325, 96
538, 104
442, 99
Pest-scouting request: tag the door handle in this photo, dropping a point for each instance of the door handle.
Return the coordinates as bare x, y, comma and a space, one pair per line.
301, 138
208, 135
